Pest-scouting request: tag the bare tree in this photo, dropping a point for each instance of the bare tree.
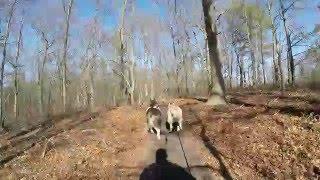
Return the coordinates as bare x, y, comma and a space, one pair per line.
229, 60
4, 58
240, 67
122, 50
276, 52
290, 60
249, 28
260, 46
16, 70
131, 79
177, 70
218, 89
67, 10
46, 44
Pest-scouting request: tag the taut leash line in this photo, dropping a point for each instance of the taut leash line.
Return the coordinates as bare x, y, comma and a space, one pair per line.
184, 154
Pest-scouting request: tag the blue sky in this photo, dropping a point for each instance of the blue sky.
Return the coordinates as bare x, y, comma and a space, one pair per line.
307, 17
86, 9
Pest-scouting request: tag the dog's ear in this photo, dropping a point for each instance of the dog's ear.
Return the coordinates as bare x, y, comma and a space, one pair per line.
152, 102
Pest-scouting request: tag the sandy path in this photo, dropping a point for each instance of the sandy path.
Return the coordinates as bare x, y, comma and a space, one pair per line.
193, 148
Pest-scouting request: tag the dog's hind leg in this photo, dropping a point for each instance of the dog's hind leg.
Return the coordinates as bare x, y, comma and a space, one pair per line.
170, 121
148, 128
158, 132
180, 124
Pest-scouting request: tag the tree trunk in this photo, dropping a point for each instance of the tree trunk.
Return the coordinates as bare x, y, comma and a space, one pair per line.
252, 55
290, 60
258, 63
230, 69
247, 81
16, 80
241, 70
131, 76
4, 60
121, 51
114, 100
175, 58
140, 97
146, 90
274, 45
276, 51
49, 104
122, 68
186, 75
218, 89
152, 94
204, 54
41, 69
207, 66
177, 81
275, 66
262, 56
91, 91
40, 89
244, 78
185, 58
64, 58
78, 103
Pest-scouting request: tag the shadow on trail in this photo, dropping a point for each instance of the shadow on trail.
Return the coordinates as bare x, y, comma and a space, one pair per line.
213, 150
163, 169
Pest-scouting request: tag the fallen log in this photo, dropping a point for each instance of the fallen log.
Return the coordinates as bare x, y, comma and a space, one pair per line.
283, 108
50, 120
18, 147
202, 99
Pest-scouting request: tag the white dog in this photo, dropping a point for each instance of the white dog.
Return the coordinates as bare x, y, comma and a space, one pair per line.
153, 114
174, 115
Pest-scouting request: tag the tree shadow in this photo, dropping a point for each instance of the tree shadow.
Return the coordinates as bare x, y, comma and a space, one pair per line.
164, 169
213, 150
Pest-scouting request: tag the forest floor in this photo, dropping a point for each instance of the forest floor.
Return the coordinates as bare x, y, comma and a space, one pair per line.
257, 135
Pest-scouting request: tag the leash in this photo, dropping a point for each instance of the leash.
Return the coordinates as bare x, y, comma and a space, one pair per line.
184, 153
166, 139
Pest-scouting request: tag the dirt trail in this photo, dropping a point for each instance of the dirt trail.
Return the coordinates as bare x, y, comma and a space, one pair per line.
229, 142
201, 163
193, 147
